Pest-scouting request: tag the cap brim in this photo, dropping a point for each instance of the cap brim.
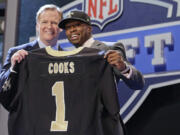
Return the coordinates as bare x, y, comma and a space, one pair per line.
65, 21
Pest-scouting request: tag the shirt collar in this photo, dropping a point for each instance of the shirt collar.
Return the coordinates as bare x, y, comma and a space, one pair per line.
89, 42
42, 45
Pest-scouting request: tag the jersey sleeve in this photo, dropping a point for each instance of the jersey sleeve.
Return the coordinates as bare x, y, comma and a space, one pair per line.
12, 87
110, 117
108, 88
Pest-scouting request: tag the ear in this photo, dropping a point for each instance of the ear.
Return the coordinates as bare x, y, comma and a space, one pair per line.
90, 29
37, 27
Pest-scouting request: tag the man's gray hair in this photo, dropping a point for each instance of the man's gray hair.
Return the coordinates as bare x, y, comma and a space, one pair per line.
48, 7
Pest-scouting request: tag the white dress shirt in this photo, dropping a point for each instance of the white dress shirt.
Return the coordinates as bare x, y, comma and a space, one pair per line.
42, 45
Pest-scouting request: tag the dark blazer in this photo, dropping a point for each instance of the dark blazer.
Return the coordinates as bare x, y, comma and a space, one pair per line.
5, 71
136, 80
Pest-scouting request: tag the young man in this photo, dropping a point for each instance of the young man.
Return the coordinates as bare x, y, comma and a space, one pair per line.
47, 20
78, 30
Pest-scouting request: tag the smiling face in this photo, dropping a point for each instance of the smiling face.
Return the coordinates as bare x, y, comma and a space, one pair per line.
47, 27
77, 32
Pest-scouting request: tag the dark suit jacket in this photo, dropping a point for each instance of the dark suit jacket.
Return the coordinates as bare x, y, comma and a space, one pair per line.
136, 80
7, 63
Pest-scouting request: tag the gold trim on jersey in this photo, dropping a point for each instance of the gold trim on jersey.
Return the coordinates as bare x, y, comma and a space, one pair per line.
53, 52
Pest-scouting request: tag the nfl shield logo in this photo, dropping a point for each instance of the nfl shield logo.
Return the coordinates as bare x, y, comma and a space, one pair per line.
103, 11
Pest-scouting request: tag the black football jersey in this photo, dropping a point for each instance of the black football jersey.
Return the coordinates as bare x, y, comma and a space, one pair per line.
65, 93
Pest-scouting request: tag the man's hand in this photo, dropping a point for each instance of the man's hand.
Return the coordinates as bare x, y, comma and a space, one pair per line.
18, 57
115, 59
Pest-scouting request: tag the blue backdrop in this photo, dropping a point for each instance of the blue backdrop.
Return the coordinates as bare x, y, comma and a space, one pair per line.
149, 30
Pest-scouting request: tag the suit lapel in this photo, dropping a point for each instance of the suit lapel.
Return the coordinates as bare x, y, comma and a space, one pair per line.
34, 45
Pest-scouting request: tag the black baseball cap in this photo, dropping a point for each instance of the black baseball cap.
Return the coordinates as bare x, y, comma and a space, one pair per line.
77, 16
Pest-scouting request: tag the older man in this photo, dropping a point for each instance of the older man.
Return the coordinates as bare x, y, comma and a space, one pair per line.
47, 20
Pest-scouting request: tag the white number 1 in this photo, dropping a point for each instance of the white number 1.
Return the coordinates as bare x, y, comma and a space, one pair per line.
59, 124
